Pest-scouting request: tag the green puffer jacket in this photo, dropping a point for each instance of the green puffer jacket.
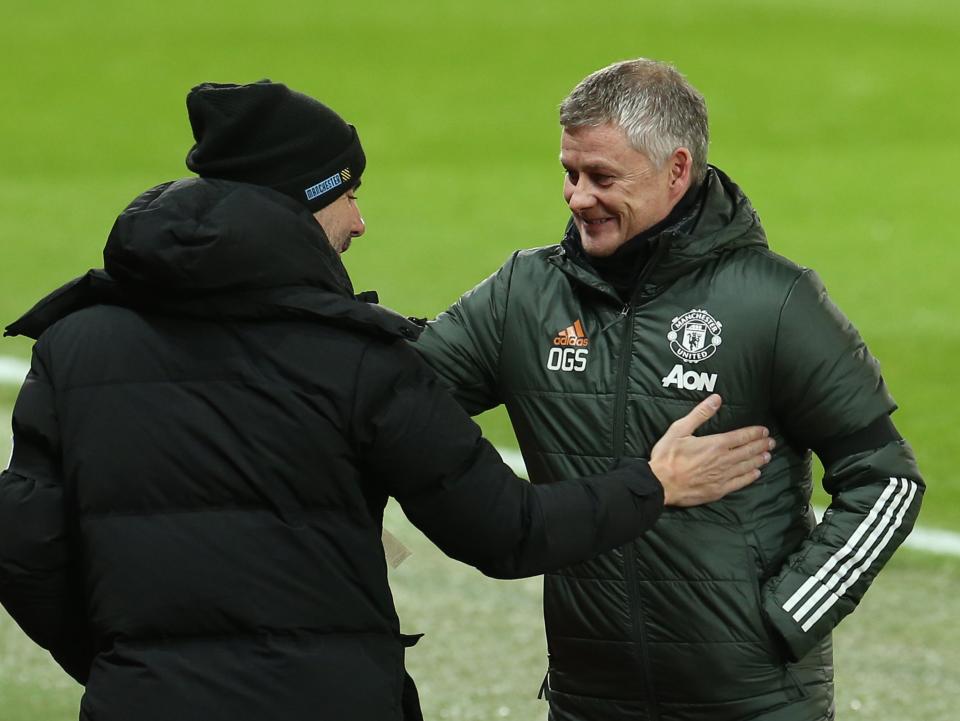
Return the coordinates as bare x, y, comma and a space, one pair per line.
721, 612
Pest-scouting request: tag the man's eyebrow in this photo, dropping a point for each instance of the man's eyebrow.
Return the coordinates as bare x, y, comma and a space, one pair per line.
594, 168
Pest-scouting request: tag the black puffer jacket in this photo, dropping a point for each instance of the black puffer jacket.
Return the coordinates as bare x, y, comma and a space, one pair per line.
204, 447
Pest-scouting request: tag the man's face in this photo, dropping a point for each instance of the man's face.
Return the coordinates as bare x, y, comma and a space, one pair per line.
341, 221
614, 191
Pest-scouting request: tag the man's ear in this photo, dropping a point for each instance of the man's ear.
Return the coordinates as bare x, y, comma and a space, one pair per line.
681, 171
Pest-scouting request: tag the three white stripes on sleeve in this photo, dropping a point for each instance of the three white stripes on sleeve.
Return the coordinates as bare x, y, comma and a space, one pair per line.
848, 563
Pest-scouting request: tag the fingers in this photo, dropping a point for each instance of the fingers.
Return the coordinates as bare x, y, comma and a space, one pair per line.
741, 481
748, 470
740, 436
709, 492
753, 450
704, 411
746, 467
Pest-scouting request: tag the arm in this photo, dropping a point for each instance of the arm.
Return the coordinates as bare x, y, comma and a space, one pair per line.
454, 487
39, 584
833, 399
463, 344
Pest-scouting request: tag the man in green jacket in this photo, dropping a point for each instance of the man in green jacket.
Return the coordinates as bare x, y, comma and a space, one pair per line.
663, 291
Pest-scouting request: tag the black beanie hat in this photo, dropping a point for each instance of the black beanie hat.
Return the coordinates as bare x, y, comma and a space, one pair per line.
266, 134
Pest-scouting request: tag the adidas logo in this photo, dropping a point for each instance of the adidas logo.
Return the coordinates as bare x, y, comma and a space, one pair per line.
572, 335
569, 351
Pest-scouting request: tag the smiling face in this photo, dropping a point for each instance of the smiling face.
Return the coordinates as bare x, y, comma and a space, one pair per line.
614, 191
341, 221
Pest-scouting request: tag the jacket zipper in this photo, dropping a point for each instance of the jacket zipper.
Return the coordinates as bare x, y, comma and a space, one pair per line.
629, 550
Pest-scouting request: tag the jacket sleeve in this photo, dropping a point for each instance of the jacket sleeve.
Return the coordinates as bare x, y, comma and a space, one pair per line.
828, 386
463, 344
412, 437
39, 582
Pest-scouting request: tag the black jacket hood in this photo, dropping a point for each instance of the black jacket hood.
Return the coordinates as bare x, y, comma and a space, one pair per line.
217, 249
201, 236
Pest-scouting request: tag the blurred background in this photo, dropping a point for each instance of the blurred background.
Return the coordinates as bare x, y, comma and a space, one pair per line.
839, 120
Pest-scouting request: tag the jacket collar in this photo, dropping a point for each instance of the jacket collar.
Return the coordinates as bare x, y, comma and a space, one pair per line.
726, 221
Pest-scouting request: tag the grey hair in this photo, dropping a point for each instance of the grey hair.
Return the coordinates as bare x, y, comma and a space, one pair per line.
651, 101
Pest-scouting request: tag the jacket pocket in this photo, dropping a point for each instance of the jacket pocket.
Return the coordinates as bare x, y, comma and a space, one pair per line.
776, 646
706, 637
757, 563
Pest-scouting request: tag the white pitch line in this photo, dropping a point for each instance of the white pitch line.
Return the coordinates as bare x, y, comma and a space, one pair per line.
931, 540
513, 458
14, 370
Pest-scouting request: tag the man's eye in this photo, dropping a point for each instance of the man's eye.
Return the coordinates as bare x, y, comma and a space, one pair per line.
603, 181
572, 175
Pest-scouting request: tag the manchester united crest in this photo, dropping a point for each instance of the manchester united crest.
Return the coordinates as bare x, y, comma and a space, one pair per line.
694, 336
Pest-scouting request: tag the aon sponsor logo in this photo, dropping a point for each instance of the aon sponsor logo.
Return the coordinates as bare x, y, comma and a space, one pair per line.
567, 359
690, 380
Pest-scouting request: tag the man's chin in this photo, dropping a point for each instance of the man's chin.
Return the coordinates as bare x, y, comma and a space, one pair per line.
599, 245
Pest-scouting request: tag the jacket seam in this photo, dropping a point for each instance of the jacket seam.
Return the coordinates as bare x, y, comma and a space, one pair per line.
776, 333
503, 323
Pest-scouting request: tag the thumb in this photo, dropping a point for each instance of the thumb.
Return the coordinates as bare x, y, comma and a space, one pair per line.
703, 412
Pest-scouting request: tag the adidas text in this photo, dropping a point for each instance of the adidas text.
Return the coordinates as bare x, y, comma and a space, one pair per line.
567, 359
690, 380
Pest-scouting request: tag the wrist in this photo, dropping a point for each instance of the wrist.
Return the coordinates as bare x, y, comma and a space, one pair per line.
660, 473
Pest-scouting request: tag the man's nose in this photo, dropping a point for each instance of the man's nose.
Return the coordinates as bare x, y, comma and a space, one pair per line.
358, 227
580, 197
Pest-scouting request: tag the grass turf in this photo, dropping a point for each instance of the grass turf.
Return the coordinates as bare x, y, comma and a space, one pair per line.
837, 119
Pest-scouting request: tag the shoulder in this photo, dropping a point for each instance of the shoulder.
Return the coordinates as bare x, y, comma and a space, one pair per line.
771, 278
93, 324
110, 344
767, 264
390, 355
539, 254
529, 259
530, 263
519, 271
540, 259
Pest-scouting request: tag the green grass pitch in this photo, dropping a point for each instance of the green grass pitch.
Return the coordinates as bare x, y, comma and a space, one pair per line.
839, 120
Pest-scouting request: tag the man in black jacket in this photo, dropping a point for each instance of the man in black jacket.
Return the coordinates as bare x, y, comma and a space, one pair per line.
211, 427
